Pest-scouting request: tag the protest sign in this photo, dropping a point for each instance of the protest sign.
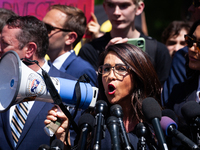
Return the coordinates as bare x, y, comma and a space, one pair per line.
38, 8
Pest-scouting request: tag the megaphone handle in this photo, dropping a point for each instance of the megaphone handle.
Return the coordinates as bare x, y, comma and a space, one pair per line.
52, 127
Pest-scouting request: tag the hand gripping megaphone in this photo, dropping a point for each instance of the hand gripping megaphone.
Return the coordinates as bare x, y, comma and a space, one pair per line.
19, 83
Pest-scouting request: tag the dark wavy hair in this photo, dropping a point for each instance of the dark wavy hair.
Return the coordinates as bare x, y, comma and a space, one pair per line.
173, 29
145, 80
193, 27
32, 30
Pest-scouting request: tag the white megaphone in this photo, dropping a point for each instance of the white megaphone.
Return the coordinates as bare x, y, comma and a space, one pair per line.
19, 83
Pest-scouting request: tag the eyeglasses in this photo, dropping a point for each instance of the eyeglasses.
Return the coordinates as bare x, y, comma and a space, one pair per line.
118, 68
196, 3
50, 28
190, 42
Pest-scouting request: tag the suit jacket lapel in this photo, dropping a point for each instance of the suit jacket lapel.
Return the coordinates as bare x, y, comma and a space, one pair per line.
7, 128
69, 60
34, 112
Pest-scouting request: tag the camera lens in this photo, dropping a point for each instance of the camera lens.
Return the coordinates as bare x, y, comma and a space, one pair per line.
140, 43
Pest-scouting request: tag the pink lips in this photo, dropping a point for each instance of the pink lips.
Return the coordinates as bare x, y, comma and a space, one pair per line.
192, 58
111, 89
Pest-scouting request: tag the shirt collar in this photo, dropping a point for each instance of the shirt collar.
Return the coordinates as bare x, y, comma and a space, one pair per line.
45, 67
61, 59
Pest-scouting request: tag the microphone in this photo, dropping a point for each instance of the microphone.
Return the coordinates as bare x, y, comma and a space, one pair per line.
86, 124
144, 137
152, 112
170, 129
101, 109
113, 128
44, 147
170, 113
171, 142
191, 112
57, 145
141, 132
116, 110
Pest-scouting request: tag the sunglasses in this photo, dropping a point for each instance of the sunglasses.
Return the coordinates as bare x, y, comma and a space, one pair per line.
50, 28
196, 3
190, 42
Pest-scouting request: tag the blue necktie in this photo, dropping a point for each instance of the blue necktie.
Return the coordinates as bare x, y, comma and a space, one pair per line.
18, 120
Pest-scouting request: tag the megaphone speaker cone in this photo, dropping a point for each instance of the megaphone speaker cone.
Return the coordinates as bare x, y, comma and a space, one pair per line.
9, 79
19, 83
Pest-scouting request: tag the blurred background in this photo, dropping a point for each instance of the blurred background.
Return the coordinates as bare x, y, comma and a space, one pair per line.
159, 13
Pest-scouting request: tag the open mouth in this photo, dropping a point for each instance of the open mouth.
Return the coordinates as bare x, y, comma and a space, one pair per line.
192, 58
111, 89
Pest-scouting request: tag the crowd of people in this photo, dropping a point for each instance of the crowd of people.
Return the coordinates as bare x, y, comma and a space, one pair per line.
124, 74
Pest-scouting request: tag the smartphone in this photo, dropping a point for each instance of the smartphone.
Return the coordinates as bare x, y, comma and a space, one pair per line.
139, 42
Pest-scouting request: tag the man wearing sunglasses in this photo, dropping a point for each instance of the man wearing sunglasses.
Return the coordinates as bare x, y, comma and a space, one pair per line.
66, 25
178, 70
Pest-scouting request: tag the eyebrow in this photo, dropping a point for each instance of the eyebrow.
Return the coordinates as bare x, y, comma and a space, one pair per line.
115, 64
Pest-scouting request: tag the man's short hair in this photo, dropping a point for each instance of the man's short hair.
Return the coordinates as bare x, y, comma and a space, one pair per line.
32, 30
5, 14
137, 1
75, 21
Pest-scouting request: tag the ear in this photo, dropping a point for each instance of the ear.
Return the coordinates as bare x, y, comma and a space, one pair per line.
140, 8
70, 38
31, 48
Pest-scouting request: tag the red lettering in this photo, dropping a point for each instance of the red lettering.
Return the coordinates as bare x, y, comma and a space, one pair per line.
39, 8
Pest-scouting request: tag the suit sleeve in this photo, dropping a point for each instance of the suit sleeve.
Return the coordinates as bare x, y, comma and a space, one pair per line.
177, 74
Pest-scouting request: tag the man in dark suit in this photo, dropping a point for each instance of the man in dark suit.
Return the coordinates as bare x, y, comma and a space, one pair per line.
29, 38
66, 26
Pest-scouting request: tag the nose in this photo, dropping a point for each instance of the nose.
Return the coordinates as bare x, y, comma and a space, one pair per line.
111, 75
194, 48
178, 47
117, 10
